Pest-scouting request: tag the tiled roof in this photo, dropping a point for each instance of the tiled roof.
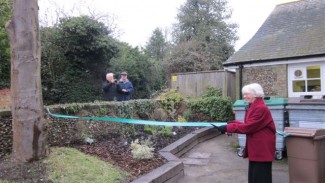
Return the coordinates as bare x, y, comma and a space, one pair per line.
295, 29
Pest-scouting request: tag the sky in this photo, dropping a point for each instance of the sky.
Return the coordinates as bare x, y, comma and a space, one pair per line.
136, 19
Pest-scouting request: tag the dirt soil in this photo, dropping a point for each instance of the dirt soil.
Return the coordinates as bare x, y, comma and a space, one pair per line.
112, 148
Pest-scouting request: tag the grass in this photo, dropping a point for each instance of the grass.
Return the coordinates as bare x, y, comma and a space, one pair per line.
70, 165
4, 181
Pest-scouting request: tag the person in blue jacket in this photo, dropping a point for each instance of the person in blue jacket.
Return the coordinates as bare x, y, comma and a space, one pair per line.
125, 88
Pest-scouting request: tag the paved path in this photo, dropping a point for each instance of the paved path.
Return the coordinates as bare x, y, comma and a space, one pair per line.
216, 161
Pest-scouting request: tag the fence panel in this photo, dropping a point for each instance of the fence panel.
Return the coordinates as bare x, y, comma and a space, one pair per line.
194, 84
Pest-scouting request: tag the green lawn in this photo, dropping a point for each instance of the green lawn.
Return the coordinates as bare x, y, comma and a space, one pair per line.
70, 165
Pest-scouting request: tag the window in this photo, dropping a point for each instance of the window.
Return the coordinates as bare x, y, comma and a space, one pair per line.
306, 79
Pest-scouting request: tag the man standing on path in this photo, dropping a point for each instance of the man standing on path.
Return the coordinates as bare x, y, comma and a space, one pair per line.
124, 87
110, 87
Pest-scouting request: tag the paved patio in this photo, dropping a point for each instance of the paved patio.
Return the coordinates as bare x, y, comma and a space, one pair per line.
216, 161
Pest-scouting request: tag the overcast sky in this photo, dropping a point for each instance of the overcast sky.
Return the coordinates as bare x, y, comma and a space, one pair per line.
136, 19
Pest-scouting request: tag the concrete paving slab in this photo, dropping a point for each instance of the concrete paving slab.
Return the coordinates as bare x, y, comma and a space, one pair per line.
223, 165
193, 161
199, 155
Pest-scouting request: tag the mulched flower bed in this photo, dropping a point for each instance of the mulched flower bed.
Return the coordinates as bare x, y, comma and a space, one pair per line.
113, 148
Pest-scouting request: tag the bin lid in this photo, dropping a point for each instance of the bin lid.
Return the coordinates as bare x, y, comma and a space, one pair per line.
269, 101
315, 133
240, 103
275, 101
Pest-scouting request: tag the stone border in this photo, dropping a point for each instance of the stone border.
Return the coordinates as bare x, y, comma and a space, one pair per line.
171, 171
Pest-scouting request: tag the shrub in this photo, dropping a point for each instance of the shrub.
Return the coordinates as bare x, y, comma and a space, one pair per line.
187, 115
141, 151
166, 131
212, 92
171, 100
212, 104
159, 130
150, 129
181, 119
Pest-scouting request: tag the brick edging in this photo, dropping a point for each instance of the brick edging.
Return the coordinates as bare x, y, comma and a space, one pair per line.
171, 171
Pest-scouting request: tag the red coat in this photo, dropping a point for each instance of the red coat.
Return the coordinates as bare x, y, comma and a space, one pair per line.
260, 132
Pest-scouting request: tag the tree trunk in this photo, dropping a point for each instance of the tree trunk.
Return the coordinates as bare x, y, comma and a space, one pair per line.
29, 125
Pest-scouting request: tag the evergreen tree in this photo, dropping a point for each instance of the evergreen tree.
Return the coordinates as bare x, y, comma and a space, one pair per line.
156, 47
139, 69
203, 29
75, 55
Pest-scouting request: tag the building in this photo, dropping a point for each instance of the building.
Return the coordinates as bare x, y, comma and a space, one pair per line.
287, 54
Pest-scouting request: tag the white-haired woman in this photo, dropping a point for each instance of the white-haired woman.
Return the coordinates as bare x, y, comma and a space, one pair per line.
260, 132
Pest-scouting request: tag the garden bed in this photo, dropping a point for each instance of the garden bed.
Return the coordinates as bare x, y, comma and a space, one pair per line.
113, 148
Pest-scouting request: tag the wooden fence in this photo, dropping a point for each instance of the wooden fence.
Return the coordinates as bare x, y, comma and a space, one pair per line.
194, 84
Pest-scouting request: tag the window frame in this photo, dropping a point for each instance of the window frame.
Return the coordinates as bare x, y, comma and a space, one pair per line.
292, 68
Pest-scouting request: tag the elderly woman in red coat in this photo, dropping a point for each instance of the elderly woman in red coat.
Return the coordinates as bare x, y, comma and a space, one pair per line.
260, 134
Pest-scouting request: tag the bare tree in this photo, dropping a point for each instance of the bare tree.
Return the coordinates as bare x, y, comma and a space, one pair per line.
52, 11
29, 125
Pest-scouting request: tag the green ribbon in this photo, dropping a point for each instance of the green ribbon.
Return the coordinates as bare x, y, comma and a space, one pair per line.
147, 122
138, 121
282, 134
